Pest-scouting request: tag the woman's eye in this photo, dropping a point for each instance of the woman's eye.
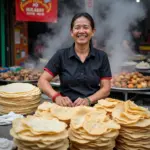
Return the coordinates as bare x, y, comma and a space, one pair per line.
86, 27
77, 27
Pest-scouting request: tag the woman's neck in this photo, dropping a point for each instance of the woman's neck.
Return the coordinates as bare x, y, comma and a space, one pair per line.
82, 49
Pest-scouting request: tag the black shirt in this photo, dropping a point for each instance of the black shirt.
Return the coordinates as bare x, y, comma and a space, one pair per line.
79, 79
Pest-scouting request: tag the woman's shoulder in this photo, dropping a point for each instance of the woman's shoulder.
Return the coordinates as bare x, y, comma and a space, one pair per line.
63, 50
100, 52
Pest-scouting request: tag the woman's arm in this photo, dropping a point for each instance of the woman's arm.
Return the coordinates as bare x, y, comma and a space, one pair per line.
103, 92
44, 84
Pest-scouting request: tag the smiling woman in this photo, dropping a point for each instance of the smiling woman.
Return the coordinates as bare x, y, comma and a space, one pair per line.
84, 71
82, 30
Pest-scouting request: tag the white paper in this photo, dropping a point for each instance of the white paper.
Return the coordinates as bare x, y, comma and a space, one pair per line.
17, 37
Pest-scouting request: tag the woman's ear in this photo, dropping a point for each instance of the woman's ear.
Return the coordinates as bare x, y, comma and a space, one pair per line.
71, 33
94, 30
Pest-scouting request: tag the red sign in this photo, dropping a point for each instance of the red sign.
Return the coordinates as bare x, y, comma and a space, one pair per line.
36, 10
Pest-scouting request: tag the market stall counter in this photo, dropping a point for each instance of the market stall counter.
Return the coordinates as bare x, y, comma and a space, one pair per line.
127, 91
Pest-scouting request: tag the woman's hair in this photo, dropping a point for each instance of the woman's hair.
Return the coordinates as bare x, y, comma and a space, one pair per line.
83, 14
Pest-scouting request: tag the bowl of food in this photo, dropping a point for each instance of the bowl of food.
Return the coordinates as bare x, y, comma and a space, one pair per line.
143, 65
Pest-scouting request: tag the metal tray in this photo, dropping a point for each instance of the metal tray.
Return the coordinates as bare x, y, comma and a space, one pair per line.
143, 70
55, 84
130, 89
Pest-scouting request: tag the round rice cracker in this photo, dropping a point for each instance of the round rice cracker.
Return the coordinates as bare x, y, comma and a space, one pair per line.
44, 114
45, 137
136, 135
90, 144
83, 135
125, 147
107, 103
139, 142
40, 145
74, 139
110, 143
62, 113
98, 146
17, 109
134, 129
78, 119
46, 106
26, 134
17, 87
86, 136
132, 108
22, 146
20, 103
64, 146
79, 131
41, 125
74, 134
26, 112
111, 134
94, 144
122, 117
18, 126
12, 94
143, 123
20, 99
135, 145
98, 124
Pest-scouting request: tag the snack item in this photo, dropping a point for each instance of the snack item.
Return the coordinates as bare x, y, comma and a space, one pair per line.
135, 126
22, 98
40, 133
94, 130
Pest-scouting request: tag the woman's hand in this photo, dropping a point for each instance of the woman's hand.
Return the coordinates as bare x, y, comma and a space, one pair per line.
63, 101
81, 102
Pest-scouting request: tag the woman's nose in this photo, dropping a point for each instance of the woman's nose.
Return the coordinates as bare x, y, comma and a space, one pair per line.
81, 30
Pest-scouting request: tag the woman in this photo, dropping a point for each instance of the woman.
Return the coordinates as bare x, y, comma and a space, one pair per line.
81, 68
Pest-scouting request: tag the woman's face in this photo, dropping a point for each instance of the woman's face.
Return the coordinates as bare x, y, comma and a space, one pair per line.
82, 31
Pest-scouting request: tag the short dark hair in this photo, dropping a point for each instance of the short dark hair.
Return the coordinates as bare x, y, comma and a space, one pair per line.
83, 14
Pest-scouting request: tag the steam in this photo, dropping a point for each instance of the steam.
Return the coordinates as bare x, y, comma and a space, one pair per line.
60, 37
113, 26
113, 19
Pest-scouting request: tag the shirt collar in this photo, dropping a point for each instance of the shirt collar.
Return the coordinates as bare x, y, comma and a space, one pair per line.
72, 51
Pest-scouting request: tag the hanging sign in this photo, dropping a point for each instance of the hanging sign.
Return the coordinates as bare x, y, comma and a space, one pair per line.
37, 10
